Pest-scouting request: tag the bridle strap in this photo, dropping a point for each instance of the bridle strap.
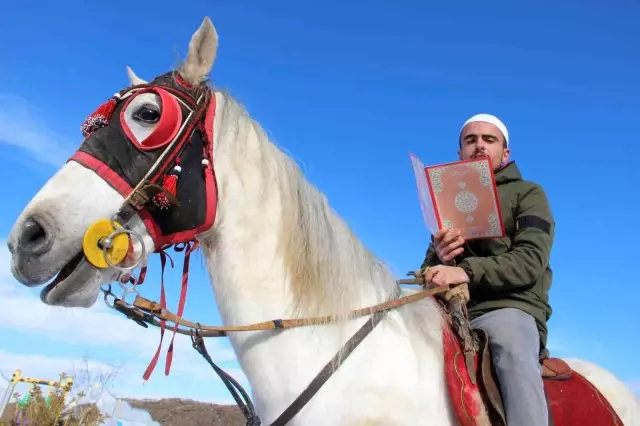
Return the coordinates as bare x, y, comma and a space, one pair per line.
243, 401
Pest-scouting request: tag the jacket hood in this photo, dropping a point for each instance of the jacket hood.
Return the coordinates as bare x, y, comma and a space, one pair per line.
508, 173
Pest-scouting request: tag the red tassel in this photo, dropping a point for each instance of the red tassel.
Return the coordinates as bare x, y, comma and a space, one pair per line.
99, 118
170, 184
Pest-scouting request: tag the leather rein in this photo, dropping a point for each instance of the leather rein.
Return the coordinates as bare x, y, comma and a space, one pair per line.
144, 312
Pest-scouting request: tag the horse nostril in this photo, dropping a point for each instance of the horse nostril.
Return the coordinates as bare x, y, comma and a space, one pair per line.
34, 238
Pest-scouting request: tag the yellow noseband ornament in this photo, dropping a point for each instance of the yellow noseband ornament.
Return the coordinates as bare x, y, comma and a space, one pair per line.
103, 246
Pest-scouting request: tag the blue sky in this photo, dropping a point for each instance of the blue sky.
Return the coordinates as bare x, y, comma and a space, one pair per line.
348, 89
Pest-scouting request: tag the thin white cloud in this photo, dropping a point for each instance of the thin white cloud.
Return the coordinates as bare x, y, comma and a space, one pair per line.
20, 126
48, 368
132, 346
86, 374
5, 262
21, 311
124, 380
634, 385
126, 413
556, 345
101, 329
97, 326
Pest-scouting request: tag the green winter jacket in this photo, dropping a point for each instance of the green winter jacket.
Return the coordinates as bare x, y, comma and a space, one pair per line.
512, 272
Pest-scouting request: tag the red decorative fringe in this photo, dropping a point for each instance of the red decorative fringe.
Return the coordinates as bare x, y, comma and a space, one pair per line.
170, 184
188, 248
99, 118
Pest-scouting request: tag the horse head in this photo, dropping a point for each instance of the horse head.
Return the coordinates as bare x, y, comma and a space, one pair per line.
141, 180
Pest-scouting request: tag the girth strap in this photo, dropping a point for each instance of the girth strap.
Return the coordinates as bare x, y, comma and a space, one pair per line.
245, 404
328, 370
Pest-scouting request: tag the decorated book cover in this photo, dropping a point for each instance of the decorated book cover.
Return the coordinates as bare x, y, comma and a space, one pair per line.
460, 195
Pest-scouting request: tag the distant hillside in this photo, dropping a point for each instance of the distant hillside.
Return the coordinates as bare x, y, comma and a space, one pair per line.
183, 412
178, 412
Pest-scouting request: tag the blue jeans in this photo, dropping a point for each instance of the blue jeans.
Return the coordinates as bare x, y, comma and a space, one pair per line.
515, 348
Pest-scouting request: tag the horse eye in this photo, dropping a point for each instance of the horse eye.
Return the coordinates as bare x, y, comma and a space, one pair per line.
147, 113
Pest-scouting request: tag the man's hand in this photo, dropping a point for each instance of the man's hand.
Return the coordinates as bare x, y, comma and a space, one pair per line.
442, 275
448, 244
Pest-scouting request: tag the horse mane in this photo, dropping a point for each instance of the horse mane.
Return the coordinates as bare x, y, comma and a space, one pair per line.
326, 263
329, 270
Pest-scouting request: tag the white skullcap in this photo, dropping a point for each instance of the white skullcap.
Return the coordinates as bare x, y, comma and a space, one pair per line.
488, 118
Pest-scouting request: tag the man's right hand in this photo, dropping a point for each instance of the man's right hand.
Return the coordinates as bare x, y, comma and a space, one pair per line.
448, 244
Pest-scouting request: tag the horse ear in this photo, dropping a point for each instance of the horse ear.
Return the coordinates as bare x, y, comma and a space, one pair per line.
133, 78
202, 53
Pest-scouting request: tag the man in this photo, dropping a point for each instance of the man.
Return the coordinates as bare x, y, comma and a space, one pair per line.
508, 278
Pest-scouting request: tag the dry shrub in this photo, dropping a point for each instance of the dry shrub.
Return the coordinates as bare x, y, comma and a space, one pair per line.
54, 410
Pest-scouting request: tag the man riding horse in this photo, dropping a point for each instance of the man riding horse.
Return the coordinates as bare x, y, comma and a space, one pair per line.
508, 279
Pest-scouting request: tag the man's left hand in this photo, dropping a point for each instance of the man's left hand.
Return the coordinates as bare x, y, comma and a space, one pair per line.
442, 275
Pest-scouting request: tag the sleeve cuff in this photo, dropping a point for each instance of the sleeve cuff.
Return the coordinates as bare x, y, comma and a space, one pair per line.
466, 267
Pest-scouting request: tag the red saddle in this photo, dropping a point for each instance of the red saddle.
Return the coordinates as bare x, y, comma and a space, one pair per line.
572, 400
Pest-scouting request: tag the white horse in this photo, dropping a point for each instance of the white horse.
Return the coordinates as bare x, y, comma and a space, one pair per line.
276, 250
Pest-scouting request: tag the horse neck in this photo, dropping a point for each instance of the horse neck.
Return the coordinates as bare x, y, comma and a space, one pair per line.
277, 249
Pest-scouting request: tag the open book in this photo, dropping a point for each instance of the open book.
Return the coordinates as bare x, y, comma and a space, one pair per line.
460, 195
